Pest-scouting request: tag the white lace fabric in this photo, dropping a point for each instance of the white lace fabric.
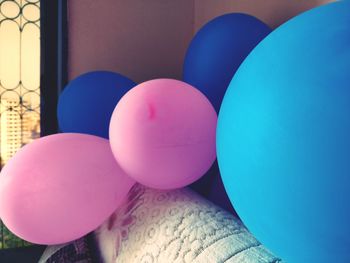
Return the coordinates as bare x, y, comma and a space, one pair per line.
177, 226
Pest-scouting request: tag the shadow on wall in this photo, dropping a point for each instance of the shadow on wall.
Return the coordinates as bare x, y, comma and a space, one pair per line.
148, 39
272, 12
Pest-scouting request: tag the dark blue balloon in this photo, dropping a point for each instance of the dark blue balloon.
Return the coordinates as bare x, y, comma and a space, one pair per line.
283, 138
87, 103
219, 196
217, 51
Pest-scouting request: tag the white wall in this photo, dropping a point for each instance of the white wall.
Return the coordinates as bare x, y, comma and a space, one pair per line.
146, 39
142, 39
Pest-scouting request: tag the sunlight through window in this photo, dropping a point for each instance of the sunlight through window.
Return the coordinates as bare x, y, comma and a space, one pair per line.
19, 83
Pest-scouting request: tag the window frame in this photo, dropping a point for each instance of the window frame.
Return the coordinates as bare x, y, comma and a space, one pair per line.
53, 62
53, 78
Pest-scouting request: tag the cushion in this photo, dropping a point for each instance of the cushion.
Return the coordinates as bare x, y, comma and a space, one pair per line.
176, 226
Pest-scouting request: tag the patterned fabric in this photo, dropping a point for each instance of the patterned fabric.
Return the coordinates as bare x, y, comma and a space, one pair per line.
176, 226
79, 251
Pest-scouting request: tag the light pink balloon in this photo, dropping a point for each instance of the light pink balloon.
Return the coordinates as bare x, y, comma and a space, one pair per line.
162, 133
60, 187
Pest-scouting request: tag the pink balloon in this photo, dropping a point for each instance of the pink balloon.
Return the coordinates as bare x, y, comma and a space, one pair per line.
162, 133
60, 187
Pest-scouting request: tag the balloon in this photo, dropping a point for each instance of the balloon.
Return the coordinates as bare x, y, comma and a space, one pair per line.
87, 103
60, 187
283, 138
218, 49
162, 133
217, 194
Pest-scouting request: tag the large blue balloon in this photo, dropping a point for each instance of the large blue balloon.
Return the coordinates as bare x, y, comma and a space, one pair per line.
283, 138
87, 103
218, 49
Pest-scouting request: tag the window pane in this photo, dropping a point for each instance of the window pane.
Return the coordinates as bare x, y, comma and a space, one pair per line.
19, 84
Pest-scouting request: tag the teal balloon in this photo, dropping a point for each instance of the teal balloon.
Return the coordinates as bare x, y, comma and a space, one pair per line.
283, 138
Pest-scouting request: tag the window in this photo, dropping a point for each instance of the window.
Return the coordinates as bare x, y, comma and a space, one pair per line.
19, 83
19, 75
32, 72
